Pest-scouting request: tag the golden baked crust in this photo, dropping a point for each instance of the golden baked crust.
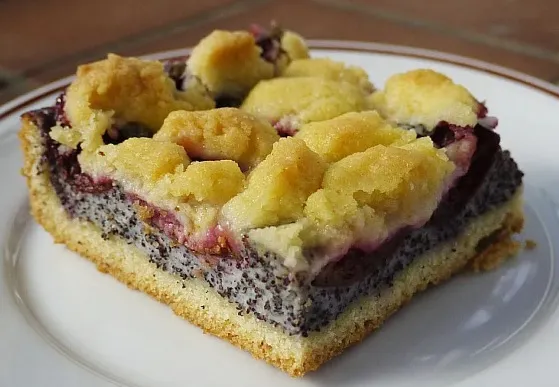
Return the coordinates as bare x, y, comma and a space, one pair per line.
127, 89
368, 196
158, 168
403, 183
277, 188
303, 99
425, 97
219, 134
229, 63
202, 306
329, 69
143, 160
350, 133
294, 45
214, 182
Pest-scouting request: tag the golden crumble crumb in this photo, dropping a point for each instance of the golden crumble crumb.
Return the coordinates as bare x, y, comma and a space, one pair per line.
214, 182
294, 45
402, 182
284, 240
66, 136
495, 254
330, 207
351, 132
329, 69
218, 134
303, 99
229, 63
129, 89
278, 187
145, 213
141, 159
425, 97
530, 244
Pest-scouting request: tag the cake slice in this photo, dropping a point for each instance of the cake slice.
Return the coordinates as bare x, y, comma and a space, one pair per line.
292, 241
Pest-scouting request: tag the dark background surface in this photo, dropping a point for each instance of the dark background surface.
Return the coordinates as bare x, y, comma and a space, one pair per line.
42, 40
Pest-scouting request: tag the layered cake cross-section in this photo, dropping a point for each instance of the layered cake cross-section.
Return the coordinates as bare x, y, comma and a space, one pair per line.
279, 201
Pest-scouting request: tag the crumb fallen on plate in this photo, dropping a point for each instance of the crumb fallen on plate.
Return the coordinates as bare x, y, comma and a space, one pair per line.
530, 244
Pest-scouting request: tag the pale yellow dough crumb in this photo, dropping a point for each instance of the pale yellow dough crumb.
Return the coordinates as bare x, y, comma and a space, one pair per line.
229, 63
331, 207
278, 187
350, 133
404, 183
294, 45
303, 99
139, 159
226, 133
130, 89
425, 97
65, 136
329, 69
214, 182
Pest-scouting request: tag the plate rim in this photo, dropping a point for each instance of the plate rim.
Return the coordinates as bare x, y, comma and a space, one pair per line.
9, 108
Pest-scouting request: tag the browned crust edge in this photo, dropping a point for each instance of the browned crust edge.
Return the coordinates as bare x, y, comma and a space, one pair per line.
310, 357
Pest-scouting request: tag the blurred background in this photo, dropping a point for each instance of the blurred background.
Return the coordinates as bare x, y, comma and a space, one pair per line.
42, 40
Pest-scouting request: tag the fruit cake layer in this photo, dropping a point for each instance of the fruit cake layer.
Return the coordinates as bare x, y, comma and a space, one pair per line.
302, 205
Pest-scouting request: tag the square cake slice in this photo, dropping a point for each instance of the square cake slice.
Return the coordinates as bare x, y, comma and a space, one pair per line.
280, 202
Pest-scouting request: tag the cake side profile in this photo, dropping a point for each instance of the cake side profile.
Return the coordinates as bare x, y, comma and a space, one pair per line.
292, 229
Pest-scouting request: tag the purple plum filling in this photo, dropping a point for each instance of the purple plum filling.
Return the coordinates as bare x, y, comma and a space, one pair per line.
119, 133
284, 128
269, 41
260, 284
223, 101
176, 68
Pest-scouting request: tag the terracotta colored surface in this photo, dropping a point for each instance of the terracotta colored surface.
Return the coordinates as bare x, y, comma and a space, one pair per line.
533, 23
42, 41
36, 33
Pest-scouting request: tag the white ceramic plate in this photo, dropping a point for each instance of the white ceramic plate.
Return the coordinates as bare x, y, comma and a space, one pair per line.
63, 323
